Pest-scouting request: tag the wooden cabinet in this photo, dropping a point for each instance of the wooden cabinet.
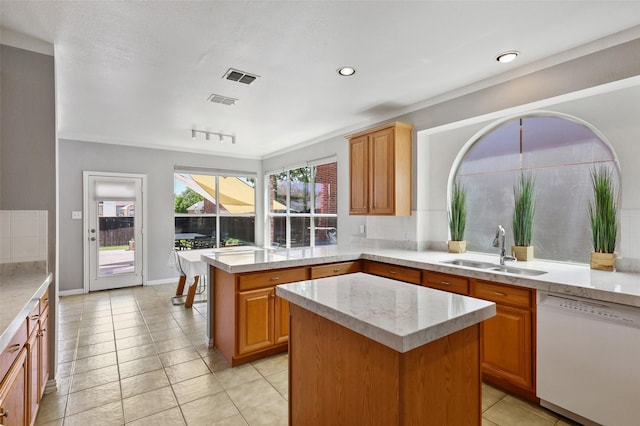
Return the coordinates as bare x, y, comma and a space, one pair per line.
445, 282
400, 273
508, 339
24, 367
249, 320
13, 393
380, 170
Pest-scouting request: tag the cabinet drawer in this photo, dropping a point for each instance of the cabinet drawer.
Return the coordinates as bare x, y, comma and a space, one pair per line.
400, 273
502, 294
11, 352
271, 278
445, 282
32, 318
333, 269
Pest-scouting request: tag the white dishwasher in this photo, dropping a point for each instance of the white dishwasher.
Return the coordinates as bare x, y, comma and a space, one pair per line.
588, 359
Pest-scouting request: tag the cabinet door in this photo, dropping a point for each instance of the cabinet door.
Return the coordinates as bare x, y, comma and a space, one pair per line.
281, 323
381, 173
506, 345
359, 175
43, 373
13, 391
33, 367
255, 313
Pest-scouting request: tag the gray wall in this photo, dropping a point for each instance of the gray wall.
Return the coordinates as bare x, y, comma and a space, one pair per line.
28, 136
76, 157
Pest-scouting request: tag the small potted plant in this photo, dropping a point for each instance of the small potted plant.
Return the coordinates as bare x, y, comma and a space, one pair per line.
603, 215
523, 212
457, 218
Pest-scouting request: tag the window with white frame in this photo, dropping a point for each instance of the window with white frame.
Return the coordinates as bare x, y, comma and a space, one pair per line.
213, 209
559, 152
302, 206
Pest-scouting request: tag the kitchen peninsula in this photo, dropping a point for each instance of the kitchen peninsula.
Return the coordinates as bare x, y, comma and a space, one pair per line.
376, 351
247, 321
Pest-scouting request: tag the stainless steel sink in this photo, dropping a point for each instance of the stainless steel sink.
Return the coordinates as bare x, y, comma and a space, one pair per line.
470, 263
517, 271
493, 267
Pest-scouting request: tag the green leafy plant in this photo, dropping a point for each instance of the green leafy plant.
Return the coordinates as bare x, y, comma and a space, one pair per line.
603, 211
524, 209
458, 212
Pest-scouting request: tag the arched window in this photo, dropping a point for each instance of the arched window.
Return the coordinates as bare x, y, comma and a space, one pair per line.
560, 152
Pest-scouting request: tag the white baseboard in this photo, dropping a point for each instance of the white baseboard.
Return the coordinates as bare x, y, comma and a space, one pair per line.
73, 292
163, 281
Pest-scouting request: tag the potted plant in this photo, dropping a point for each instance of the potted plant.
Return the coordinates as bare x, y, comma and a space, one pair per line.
523, 211
457, 218
603, 215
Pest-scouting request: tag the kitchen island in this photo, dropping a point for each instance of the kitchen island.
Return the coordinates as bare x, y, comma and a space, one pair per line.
370, 350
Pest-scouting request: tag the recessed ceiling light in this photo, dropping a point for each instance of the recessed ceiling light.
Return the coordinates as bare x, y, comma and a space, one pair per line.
346, 71
507, 56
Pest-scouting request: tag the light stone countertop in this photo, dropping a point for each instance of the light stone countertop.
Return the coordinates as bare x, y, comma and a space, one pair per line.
560, 277
21, 286
398, 315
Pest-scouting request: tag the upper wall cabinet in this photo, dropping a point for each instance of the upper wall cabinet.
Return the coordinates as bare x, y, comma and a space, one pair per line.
380, 170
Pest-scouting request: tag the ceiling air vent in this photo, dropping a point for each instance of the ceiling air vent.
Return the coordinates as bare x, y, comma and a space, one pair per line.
224, 100
240, 76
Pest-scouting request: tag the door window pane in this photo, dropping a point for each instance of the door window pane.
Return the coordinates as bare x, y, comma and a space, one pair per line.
115, 231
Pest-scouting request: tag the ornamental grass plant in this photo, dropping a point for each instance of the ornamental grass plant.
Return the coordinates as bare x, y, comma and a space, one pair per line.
458, 211
603, 211
524, 209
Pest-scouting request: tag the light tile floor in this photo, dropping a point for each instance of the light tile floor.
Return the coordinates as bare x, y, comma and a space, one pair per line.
129, 356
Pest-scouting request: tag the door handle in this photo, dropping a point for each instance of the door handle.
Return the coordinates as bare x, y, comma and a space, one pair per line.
92, 238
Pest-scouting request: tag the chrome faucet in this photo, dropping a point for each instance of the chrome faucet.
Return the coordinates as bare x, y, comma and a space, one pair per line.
498, 241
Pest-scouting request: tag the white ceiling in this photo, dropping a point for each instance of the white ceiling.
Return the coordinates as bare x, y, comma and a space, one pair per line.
140, 73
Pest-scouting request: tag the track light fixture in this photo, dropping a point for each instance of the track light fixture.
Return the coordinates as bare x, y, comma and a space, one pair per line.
222, 137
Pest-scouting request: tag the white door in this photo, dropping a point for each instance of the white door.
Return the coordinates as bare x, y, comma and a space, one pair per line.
113, 230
